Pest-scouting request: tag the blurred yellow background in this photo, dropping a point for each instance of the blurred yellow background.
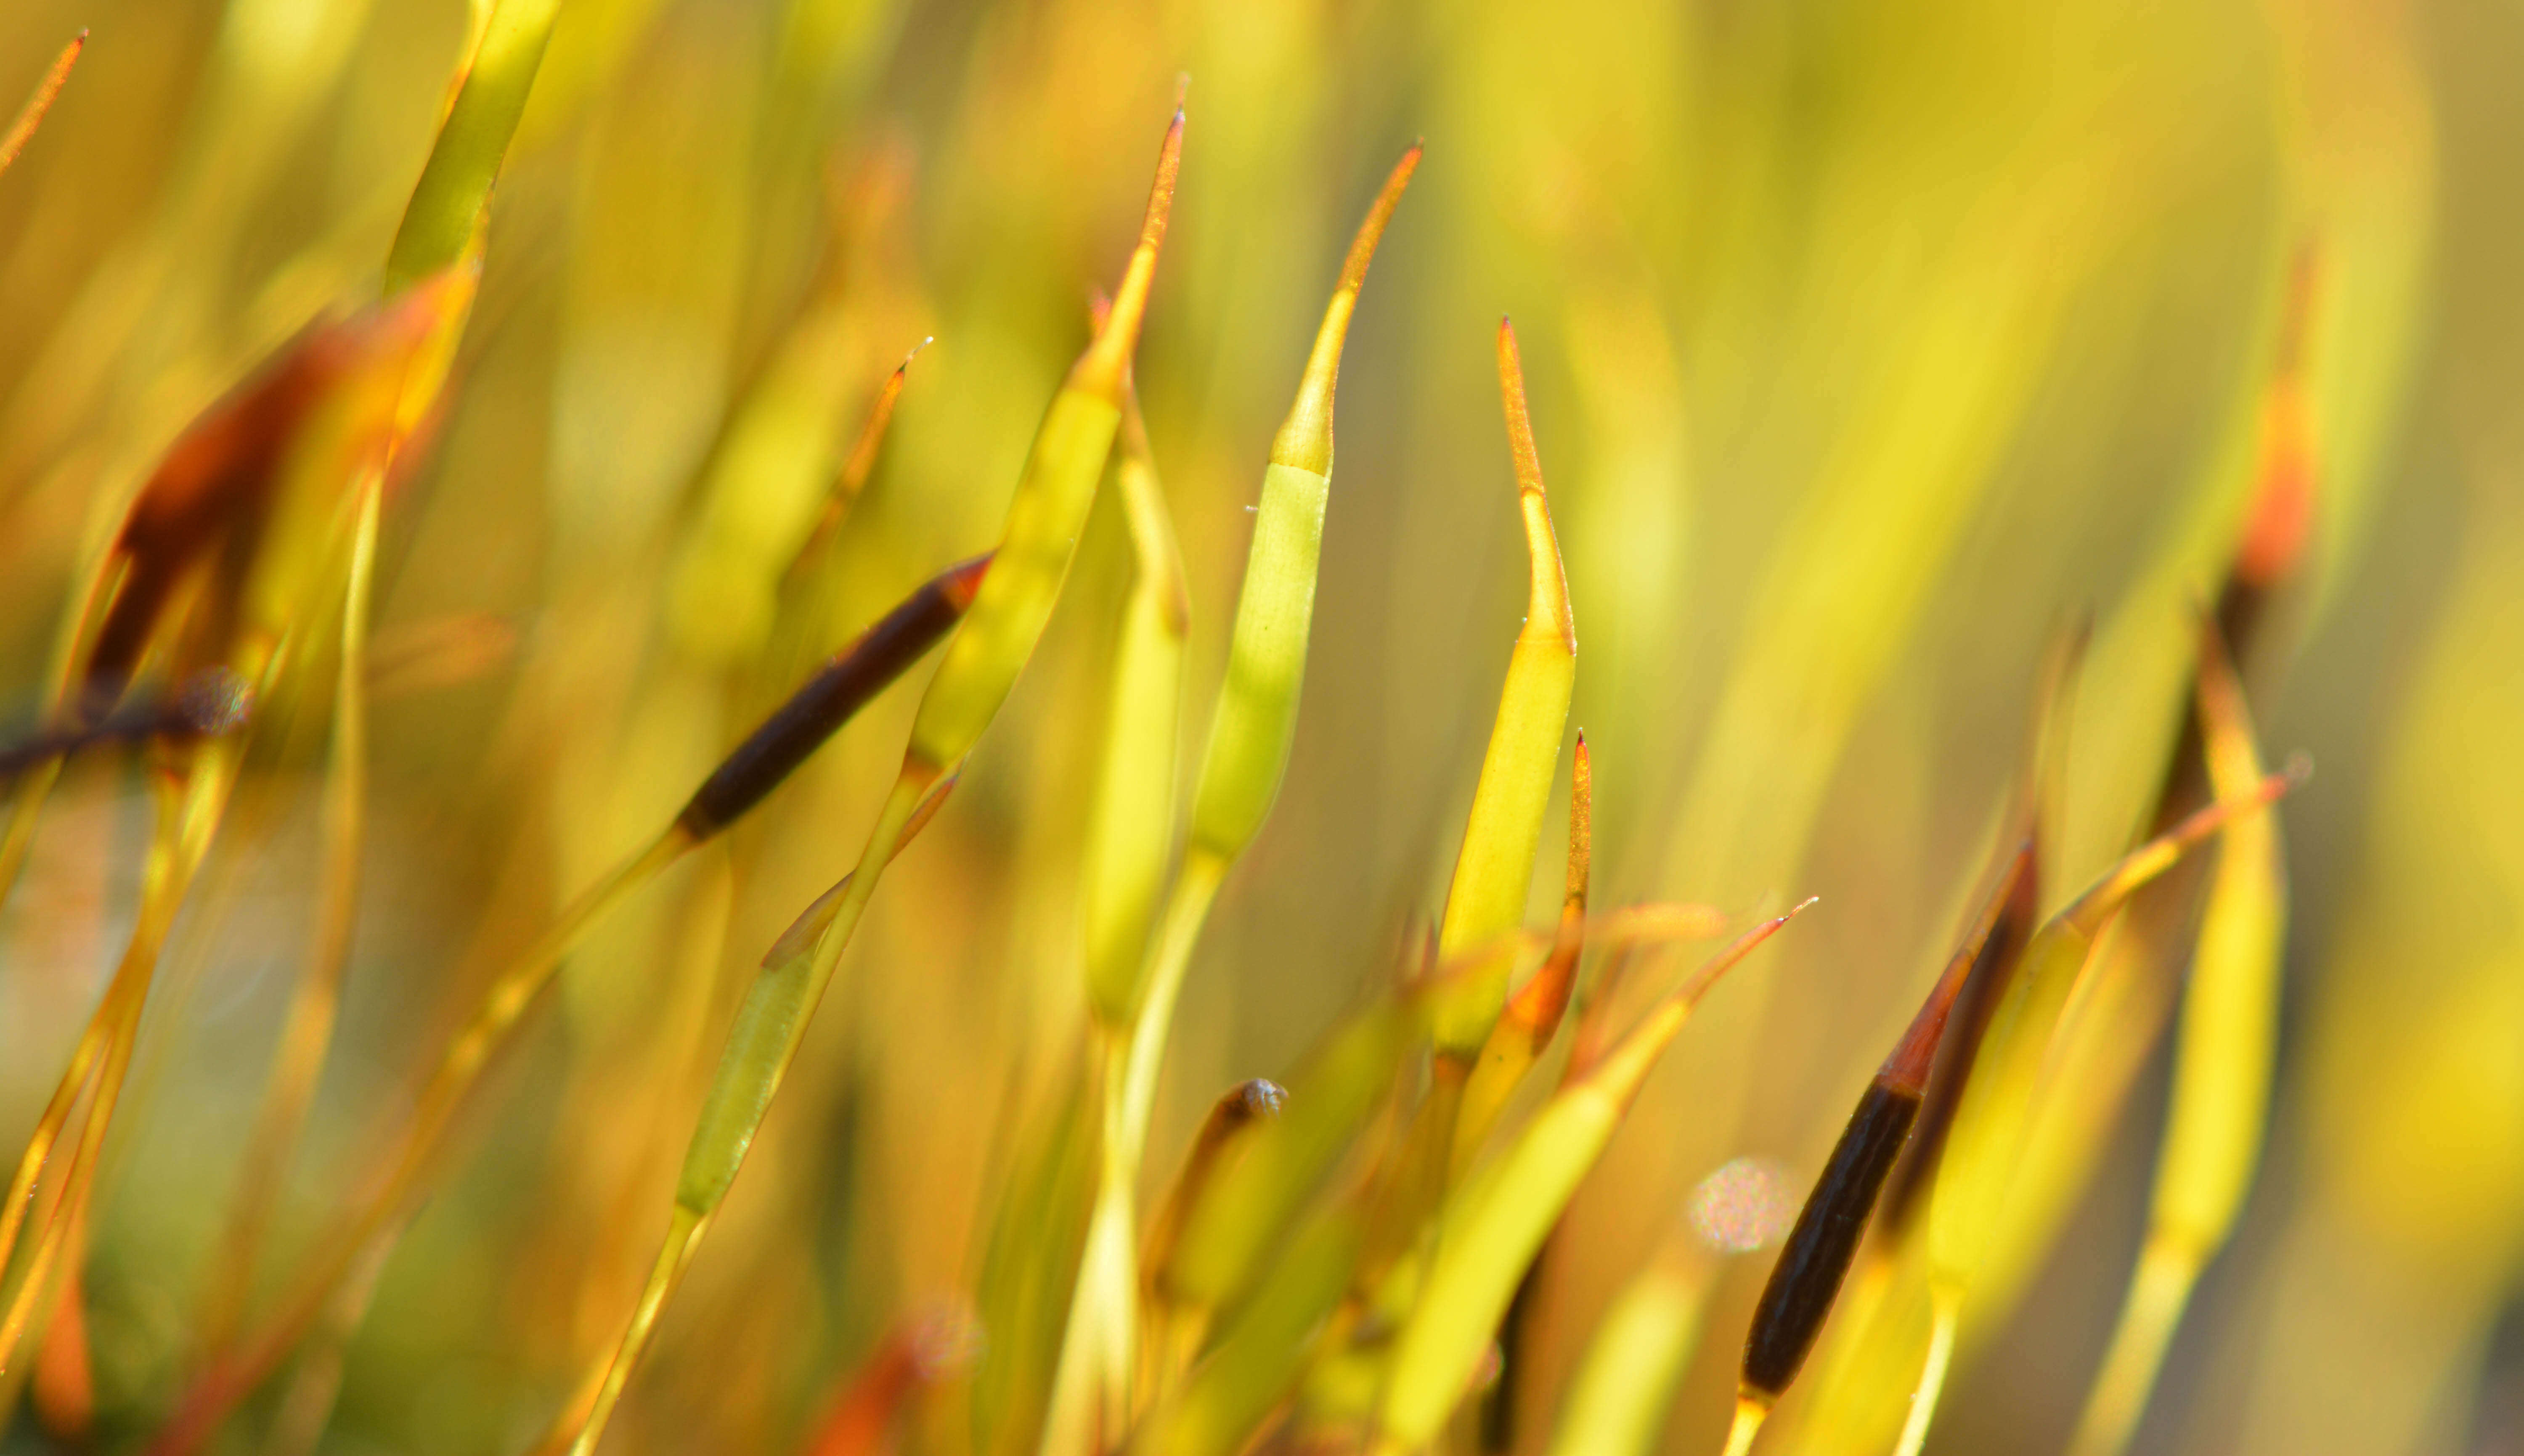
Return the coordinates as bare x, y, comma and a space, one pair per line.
1869, 345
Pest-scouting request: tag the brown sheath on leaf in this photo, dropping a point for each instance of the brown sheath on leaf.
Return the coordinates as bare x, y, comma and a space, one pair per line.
1817, 1256
831, 698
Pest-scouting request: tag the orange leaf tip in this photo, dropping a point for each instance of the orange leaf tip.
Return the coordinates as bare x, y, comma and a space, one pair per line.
14, 141
1101, 370
1305, 438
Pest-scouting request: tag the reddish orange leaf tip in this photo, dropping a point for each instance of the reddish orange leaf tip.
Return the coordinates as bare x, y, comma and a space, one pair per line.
1908, 1066
2097, 904
1107, 360
964, 579
1622, 1064
862, 459
1539, 1004
29, 116
1362, 247
1744, 945
1519, 419
2282, 519
2281, 523
1581, 830
859, 466
1161, 193
918, 1354
1305, 439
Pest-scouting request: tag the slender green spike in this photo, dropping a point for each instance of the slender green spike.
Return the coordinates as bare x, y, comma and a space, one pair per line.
1625, 1384
1804, 1280
1497, 863
1130, 829
1248, 754
1495, 1223
1257, 719
2011, 1073
1047, 515
981, 664
1533, 1013
2221, 1074
1029, 1268
446, 203
1263, 1348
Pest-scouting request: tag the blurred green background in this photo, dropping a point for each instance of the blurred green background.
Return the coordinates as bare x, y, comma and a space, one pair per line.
1869, 344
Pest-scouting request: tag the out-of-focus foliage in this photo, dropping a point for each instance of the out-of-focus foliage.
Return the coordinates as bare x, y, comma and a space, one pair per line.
1868, 347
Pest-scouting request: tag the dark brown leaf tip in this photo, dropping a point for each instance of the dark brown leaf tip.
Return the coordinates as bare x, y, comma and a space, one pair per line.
1259, 1099
844, 684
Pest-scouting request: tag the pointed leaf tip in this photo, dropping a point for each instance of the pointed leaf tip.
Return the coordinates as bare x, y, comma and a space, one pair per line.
14, 141
1547, 613
1305, 438
1101, 370
1362, 247
1519, 419
1908, 1067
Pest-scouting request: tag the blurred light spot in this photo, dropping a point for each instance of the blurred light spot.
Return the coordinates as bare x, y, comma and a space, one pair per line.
215, 701
947, 1340
1743, 1205
1263, 1098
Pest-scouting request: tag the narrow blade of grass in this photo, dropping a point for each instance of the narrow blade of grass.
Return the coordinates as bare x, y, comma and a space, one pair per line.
1496, 1223
31, 116
306, 1033
828, 700
2221, 1074
1130, 827
1532, 1014
1495, 865
1257, 1357
1247, 753
981, 665
817, 549
446, 203
2009, 1077
1625, 1382
1806, 1278
1029, 1268
1257, 705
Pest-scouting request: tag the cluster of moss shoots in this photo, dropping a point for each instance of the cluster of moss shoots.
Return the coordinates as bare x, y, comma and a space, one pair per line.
1336, 1265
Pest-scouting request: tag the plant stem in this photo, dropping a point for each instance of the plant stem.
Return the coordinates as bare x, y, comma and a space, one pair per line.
1946, 1306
